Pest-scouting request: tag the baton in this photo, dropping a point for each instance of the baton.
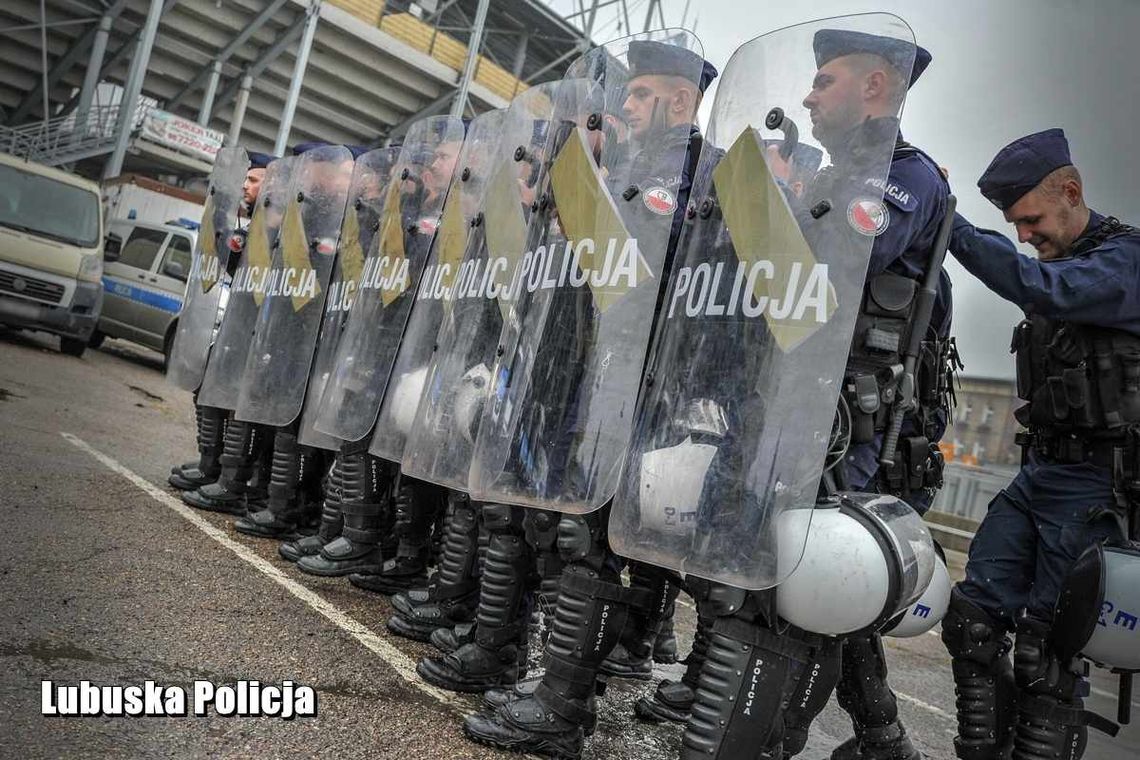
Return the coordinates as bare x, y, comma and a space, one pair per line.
924, 308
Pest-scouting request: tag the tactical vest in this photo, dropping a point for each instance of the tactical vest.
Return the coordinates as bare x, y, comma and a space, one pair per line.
1080, 381
882, 331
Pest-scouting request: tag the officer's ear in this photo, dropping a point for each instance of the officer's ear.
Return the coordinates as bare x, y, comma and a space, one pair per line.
684, 100
1073, 192
876, 85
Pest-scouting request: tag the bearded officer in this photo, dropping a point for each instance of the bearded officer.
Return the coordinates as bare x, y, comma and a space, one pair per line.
1077, 364
210, 420
663, 93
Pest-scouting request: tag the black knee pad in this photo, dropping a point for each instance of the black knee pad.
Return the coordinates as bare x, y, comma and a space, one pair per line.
969, 633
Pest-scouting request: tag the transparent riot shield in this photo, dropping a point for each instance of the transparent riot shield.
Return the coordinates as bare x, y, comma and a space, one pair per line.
460, 228
370, 177
737, 419
390, 278
222, 381
292, 302
205, 283
557, 425
457, 378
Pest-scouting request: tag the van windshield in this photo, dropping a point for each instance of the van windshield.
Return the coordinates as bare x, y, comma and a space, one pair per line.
48, 207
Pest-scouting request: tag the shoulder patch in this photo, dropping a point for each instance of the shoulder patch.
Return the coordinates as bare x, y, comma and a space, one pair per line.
895, 194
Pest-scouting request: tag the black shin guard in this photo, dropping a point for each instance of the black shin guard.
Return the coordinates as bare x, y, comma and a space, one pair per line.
541, 528
211, 439
453, 594
492, 658
750, 672
417, 503
1052, 723
589, 619
211, 427
286, 511
632, 658
983, 680
864, 695
366, 484
245, 445
332, 520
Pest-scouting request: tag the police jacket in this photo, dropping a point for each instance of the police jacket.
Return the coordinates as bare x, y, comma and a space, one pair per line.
1078, 350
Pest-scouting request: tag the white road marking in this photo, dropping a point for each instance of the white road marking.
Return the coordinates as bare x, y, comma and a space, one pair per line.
404, 666
926, 706
1110, 695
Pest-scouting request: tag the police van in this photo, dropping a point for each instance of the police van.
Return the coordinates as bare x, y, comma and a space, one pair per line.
143, 286
51, 252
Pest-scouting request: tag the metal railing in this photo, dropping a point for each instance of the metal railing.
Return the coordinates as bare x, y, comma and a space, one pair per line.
65, 139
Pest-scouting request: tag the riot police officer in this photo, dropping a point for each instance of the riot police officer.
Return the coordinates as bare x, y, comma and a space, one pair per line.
210, 420
904, 226
1077, 362
594, 611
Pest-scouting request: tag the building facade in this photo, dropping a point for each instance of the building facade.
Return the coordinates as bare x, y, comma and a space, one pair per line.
983, 427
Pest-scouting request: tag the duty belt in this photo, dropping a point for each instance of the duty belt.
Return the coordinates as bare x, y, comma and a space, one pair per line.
1069, 448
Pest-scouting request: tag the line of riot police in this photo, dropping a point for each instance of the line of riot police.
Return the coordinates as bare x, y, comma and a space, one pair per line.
489, 371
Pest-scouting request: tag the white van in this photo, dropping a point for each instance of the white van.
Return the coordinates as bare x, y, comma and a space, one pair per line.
51, 252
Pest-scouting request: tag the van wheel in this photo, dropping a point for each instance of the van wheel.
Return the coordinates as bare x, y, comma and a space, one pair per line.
168, 345
72, 346
96, 339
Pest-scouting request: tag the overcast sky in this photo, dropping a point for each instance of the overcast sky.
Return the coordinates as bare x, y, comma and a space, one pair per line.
1001, 70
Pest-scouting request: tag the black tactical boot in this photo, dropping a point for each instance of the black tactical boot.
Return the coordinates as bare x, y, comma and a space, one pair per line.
590, 617
289, 512
211, 438
673, 700
332, 521
453, 595
447, 640
863, 694
492, 659
983, 681
366, 486
244, 446
417, 504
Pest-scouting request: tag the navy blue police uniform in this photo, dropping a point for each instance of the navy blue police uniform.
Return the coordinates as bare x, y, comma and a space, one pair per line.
1080, 335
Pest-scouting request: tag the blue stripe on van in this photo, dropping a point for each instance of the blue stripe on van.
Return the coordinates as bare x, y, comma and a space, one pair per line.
160, 301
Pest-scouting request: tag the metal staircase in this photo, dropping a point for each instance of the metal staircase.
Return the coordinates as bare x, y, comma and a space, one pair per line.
65, 139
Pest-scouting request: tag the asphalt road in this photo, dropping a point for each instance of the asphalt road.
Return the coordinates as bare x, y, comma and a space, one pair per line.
104, 578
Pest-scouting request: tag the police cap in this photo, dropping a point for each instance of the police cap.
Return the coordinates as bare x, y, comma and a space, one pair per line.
649, 57
302, 148
907, 58
260, 160
1020, 166
357, 150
